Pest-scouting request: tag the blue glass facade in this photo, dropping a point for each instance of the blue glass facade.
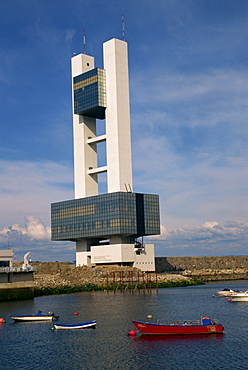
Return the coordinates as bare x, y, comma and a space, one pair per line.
90, 93
120, 213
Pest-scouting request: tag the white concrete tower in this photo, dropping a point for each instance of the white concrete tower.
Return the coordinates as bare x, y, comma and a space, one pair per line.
118, 146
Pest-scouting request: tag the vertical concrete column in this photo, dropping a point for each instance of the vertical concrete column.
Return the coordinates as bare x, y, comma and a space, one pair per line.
118, 137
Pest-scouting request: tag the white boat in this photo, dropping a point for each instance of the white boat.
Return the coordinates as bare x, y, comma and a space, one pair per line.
240, 299
228, 292
82, 325
39, 317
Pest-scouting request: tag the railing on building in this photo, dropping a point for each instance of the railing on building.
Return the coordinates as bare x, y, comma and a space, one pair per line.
17, 269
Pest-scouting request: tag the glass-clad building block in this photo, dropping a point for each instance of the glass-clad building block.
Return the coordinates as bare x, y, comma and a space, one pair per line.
90, 93
120, 213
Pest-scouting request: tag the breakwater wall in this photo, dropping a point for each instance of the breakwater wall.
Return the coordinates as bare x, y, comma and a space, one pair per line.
16, 291
16, 285
166, 264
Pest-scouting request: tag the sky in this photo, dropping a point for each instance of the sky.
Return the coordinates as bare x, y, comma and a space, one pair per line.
188, 71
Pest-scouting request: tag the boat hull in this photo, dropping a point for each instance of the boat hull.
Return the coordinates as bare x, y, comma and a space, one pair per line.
241, 295
227, 294
21, 318
82, 325
160, 329
240, 299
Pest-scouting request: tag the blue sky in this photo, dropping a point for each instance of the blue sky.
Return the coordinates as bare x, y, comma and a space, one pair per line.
189, 92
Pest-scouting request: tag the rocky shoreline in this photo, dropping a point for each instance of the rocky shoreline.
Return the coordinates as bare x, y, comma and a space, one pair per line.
207, 275
102, 278
72, 279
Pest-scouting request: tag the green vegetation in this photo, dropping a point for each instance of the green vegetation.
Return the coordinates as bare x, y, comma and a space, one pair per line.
180, 283
66, 289
91, 287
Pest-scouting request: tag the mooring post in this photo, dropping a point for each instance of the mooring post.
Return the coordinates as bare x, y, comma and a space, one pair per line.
114, 281
156, 282
143, 278
132, 282
121, 281
138, 282
148, 279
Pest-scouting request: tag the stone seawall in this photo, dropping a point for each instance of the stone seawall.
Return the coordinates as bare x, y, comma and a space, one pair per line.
165, 264
16, 285
16, 291
217, 274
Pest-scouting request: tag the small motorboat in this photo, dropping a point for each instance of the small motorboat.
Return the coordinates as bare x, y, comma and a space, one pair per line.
228, 292
38, 317
202, 326
82, 325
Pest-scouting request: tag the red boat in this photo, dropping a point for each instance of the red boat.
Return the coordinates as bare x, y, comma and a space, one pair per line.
203, 326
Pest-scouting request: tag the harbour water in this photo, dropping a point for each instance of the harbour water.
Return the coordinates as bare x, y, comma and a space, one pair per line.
26, 346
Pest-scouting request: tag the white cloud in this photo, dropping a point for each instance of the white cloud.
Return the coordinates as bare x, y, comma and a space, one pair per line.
30, 188
196, 98
210, 238
36, 230
53, 42
191, 188
69, 34
35, 237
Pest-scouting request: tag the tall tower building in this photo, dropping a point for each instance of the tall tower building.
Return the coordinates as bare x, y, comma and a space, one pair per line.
107, 228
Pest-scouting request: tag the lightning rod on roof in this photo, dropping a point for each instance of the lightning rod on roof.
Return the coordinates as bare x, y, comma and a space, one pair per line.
84, 40
123, 28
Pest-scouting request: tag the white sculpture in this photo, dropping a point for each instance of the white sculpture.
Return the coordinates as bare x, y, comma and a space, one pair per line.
26, 259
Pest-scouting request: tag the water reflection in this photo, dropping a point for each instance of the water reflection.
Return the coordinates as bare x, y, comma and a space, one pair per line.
175, 338
109, 346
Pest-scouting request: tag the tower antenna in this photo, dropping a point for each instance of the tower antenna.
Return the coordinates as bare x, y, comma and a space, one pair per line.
84, 40
123, 27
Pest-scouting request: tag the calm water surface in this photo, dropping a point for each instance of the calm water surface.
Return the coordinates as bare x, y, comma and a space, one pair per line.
34, 346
